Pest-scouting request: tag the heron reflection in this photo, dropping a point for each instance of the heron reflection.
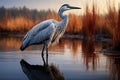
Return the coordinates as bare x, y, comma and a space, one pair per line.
40, 72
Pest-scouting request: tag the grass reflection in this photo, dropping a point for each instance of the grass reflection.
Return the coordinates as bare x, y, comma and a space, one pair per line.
114, 67
89, 57
10, 43
73, 45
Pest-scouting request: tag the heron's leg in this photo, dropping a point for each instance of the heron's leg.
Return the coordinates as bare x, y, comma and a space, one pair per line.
47, 55
43, 54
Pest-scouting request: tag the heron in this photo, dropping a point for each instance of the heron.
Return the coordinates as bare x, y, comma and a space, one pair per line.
47, 32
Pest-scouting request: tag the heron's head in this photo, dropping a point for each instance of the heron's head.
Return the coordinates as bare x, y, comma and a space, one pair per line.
66, 7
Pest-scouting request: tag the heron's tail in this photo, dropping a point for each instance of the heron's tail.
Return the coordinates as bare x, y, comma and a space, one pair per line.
22, 48
24, 44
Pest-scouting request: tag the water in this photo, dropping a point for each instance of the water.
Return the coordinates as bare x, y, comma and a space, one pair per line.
75, 59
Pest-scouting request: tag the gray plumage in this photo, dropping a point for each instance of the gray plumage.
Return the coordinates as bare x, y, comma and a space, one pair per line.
47, 32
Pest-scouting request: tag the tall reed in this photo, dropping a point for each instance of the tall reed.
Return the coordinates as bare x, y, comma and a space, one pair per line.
89, 22
113, 24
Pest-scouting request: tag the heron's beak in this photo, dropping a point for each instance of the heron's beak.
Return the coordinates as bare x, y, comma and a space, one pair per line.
72, 7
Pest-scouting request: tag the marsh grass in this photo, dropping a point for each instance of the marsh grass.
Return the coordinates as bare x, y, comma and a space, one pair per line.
89, 22
113, 24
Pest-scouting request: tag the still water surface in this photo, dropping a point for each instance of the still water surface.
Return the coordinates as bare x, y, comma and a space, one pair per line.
74, 58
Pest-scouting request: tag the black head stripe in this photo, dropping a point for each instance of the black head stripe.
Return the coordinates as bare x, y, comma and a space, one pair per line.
65, 5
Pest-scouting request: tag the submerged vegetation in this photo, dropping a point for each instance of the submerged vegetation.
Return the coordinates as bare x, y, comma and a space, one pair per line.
91, 25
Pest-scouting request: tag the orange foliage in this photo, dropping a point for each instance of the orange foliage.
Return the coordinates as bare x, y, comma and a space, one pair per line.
74, 24
19, 24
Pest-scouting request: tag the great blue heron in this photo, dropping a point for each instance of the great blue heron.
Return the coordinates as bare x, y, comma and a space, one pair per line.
47, 32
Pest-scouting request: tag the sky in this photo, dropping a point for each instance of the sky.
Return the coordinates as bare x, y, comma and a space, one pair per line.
55, 4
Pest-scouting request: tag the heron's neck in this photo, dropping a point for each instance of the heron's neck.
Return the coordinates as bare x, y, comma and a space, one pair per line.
64, 17
61, 14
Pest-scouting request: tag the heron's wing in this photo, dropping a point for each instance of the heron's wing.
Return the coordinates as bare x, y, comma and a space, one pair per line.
45, 35
37, 28
38, 33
